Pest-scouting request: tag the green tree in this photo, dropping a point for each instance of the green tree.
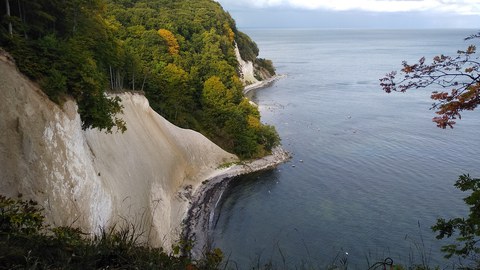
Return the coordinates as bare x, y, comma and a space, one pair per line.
248, 48
69, 48
467, 230
176, 94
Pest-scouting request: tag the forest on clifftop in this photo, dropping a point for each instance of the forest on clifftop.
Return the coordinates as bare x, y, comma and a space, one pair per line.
180, 54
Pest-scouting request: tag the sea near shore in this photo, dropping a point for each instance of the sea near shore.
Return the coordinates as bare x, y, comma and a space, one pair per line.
201, 214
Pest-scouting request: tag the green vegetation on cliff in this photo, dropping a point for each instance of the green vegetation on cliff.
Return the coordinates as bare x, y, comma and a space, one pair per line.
67, 47
27, 243
179, 53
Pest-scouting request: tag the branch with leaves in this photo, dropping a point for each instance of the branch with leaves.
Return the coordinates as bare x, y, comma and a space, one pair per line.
458, 75
466, 230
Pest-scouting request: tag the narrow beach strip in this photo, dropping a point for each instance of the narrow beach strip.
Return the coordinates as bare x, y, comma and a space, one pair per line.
262, 84
198, 223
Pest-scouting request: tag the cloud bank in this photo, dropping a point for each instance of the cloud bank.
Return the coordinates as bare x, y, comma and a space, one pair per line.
463, 7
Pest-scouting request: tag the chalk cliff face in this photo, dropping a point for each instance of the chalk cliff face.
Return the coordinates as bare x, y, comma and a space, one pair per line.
251, 75
247, 70
90, 179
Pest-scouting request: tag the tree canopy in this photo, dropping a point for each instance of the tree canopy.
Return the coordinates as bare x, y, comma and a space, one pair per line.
179, 53
67, 46
459, 75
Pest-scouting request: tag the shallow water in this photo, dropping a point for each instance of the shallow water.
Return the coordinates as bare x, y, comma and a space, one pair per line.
371, 171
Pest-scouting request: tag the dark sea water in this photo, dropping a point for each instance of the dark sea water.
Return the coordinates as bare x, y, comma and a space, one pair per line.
376, 172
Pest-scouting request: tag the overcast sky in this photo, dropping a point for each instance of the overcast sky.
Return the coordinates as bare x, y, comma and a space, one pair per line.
355, 13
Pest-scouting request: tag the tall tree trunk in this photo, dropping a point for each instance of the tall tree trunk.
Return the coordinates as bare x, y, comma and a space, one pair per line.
117, 80
10, 27
21, 12
133, 81
144, 79
75, 15
111, 79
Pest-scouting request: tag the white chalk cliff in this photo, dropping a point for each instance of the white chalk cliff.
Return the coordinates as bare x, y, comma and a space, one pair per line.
247, 70
90, 179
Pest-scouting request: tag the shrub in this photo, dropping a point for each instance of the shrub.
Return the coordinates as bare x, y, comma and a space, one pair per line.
26, 243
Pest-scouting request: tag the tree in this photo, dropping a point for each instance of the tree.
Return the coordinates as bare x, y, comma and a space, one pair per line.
459, 74
176, 95
7, 6
67, 47
468, 229
216, 95
173, 47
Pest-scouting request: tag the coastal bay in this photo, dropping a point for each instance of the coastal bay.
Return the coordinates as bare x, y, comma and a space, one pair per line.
372, 172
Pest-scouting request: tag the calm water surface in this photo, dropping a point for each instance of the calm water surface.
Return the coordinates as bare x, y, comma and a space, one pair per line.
370, 172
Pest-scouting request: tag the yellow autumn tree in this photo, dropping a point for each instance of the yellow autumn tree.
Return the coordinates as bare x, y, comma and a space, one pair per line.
231, 34
215, 93
173, 47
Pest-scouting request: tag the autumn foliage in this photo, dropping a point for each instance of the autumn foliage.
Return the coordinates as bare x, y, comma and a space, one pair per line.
180, 53
456, 77
173, 47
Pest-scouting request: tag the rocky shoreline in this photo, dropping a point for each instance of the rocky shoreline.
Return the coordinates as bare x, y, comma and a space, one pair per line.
198, 223
262, 84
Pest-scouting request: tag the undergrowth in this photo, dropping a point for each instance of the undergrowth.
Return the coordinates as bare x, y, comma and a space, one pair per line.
26, 242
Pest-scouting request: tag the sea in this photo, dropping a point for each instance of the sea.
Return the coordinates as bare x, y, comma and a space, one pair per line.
370, 172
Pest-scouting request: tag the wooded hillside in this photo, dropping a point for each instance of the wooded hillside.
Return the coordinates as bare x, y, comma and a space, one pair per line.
179, 53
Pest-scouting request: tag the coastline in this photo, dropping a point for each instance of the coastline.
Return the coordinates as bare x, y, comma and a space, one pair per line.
197, 225
262, 84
